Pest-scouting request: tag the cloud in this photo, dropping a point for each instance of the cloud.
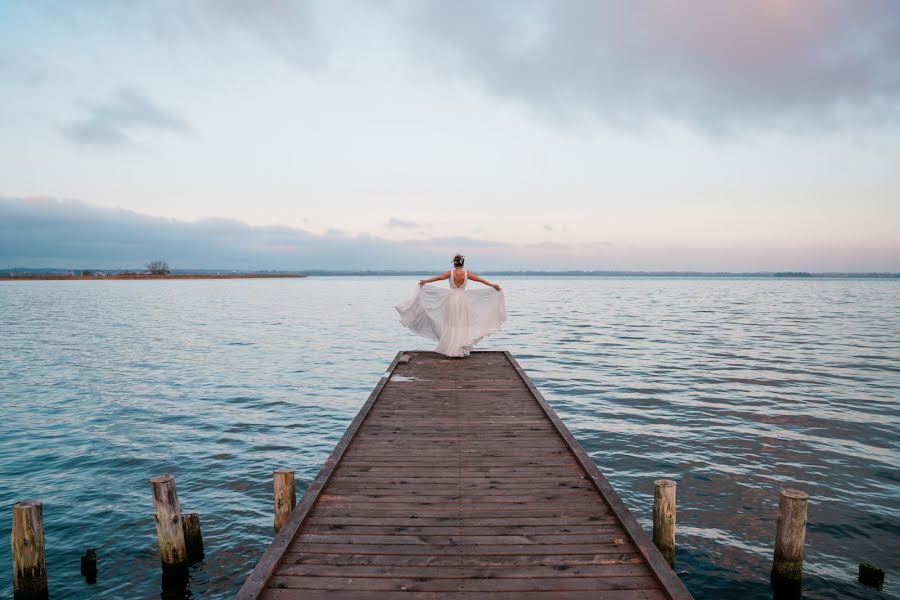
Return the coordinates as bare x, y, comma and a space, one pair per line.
717, 66
73, 234
118, 119
462, 242
25, 68
297, 31
395, 223
570, 247
291, 28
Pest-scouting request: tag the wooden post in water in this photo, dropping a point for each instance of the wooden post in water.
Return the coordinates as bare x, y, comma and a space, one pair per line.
871, 575
89, 566
285, 496
790, 534
193, 540
169, 528
27, 541
664, 518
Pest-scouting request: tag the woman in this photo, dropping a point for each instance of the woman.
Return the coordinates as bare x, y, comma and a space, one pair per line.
456, 318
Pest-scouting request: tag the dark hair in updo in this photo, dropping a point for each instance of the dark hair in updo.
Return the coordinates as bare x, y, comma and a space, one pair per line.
459, 260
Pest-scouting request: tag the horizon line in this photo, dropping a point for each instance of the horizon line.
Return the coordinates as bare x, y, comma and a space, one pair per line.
18, 271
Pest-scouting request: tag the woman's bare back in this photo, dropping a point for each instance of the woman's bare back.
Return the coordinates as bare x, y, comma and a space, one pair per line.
459, 277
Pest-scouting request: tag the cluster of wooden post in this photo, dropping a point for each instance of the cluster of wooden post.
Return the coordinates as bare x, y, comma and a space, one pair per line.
180, 541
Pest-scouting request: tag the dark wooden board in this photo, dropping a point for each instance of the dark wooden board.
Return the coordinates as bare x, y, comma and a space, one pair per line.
287, 594
561, 563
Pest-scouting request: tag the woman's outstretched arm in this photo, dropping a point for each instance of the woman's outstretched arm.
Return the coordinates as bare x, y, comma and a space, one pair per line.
435, 278
475, 277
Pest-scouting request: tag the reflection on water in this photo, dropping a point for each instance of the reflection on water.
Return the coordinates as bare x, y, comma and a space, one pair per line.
735, 388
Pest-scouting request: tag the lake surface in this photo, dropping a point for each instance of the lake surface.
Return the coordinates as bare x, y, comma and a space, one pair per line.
736, 388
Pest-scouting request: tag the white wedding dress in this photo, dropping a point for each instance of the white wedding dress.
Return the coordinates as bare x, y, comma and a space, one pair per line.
456, 318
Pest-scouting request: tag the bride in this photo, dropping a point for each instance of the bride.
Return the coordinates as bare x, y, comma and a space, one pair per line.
456, 318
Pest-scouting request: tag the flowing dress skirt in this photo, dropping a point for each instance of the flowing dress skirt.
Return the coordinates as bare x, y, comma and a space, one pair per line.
455, 318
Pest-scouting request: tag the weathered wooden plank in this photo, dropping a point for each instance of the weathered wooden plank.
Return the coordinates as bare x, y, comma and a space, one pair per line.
456, 540
461, 497
412, 470
429, 433
459, 456
465, 463
612, 570
462, 503
456, 520
421, 584
477, 512
457, 480
561, 563
484, 445
436, 488
286, 594
608, 528
445, 476
469, 550
380, 490
550, 483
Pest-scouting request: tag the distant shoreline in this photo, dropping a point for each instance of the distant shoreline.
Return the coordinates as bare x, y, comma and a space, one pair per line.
121, 276
56, 274
637, 274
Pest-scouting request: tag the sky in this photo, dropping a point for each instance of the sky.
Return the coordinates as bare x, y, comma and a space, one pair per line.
761, 135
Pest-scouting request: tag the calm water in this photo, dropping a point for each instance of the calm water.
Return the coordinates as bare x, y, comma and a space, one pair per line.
735, 388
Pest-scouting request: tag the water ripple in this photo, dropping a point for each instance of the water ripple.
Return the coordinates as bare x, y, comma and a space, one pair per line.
734, 387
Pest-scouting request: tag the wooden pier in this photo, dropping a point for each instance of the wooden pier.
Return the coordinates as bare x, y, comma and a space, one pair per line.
457, 480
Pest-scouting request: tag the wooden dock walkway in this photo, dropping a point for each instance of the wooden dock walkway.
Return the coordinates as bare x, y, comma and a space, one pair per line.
457, 480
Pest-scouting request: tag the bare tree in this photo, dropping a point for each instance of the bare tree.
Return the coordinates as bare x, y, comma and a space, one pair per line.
157, 267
